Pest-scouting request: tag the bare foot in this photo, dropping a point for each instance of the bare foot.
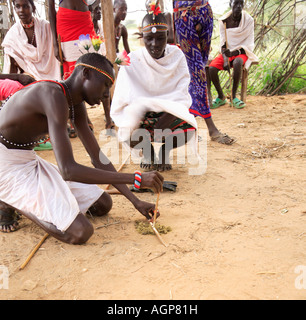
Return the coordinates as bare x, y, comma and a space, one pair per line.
8, 220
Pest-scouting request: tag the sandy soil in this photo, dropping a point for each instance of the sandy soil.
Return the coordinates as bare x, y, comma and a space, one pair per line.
238, 231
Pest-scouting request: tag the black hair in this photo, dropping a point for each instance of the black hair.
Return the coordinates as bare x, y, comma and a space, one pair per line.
118, 2
149, 18
31, 3
96, 60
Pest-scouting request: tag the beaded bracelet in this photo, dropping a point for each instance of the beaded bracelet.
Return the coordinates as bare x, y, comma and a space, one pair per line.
137, 182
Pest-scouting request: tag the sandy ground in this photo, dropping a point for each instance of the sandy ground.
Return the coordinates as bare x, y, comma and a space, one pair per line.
238, 230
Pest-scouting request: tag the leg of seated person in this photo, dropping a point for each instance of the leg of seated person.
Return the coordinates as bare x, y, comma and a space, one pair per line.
78, 232
144, 143
237, 65
171, 142
102, 206
213, 72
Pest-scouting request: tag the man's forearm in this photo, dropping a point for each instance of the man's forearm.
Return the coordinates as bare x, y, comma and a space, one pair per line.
123, 188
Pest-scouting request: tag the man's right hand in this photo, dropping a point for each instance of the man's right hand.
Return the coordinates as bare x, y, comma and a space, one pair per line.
226, 63
152, 180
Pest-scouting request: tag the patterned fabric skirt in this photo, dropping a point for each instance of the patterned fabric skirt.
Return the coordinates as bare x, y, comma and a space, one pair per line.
194, 26
177, 126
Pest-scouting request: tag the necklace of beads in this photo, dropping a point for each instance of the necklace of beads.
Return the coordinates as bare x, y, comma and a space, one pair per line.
71, 106
33, 38
29, 25
29, 144
22, 145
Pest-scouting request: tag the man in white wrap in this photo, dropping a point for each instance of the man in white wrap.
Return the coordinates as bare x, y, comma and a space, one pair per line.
28, 45
237, 26
56, 197
152, 93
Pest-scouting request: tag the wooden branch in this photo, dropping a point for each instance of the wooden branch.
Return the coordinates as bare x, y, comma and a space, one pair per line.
33, 252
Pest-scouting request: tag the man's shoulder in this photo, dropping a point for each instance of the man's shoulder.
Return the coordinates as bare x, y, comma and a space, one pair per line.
47, 88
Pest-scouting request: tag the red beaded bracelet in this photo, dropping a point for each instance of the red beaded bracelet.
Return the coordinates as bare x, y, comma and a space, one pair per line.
137, 181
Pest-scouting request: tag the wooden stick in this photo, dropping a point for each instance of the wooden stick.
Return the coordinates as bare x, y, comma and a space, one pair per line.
120, 168
34, 251
156, 208
229, 66
158, 235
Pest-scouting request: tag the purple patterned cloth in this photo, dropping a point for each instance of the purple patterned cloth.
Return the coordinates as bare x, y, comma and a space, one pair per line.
194, 29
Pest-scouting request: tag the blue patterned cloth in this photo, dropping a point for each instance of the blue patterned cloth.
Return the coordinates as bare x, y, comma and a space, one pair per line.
194, 29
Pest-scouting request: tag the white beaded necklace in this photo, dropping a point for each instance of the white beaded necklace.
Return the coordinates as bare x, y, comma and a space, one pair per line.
29, 144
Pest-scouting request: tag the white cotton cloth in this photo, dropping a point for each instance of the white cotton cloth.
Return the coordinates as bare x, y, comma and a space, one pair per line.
148, 84
240, 37
39, 62
31, 184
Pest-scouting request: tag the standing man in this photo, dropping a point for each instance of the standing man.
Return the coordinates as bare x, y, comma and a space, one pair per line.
72, 19
95, 9
194, 25
237, 26
120, 11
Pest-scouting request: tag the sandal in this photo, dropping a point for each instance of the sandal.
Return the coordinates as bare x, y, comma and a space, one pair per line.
218, 103
8, 221
71, 131
223, 138
43, 146
238, 104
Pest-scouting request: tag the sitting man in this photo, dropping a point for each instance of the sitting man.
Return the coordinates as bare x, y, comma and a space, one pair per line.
152, 93
56, 198
238, 27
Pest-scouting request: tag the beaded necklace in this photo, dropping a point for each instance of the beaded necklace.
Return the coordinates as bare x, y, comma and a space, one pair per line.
29, 25
71, 106
30, 144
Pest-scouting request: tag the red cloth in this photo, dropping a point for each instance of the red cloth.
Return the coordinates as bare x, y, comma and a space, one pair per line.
70, 25
8, 87
219, 61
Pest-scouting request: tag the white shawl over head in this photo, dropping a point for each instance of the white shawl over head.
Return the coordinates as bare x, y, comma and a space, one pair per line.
241, 37
148, 84
39, 62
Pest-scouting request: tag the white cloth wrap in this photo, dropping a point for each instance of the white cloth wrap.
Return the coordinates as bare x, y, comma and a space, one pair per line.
39, 61
32, 184
240, 37
158, 85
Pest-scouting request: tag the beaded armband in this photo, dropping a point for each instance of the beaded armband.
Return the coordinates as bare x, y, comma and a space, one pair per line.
137, 181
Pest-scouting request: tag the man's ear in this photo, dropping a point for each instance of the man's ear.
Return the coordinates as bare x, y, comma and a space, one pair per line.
86, 73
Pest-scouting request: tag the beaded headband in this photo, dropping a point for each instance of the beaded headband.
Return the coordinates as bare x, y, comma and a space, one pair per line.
155, 27
97, 69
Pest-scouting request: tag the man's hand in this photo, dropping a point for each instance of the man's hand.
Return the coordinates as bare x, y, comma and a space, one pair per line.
146, 209
152, 180
228, 53
226, 65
